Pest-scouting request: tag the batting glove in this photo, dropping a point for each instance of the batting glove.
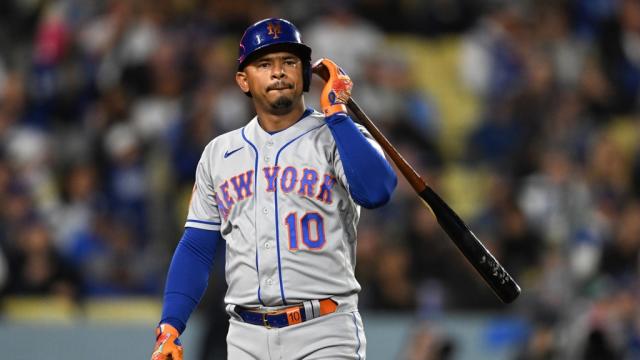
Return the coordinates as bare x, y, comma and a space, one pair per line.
337, 89
168, 346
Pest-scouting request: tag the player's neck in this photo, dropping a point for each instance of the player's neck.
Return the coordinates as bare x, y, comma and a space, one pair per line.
271, 122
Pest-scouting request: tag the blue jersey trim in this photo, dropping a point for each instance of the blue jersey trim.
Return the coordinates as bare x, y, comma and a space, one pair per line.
275, 195
203, 222
255, 194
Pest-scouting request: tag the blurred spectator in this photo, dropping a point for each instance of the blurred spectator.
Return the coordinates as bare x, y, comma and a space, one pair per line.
12, 103
621, 256
359, 39
427, 342
541, 345
568, 127
555, 199
376, 93
5, 233
498, 139
36, 267
567, 51
609, 171
111, 261
619, 52
78, 197
589, 15
391, 96
127, 181
519, 246
392, 287
443, 277
189, 136
608, 329
17, 209
216, 94
154, 114
430, 250
493, 54
369, 243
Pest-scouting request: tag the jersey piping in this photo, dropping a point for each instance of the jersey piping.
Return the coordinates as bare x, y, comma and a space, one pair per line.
255, 194
201, 224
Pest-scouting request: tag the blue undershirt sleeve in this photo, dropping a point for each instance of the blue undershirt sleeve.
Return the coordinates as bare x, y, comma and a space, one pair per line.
371, 179
188, 275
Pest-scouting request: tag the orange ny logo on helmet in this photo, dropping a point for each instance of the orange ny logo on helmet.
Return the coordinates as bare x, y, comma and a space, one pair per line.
274, 30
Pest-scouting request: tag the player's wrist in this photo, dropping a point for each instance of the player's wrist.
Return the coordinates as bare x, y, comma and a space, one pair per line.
336, 118
167, 328
174, 322
334, 109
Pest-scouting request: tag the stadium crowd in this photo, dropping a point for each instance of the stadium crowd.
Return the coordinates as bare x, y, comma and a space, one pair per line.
105, 107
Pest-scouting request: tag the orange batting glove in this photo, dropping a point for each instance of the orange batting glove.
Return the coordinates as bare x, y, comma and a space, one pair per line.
337, 89
168, 346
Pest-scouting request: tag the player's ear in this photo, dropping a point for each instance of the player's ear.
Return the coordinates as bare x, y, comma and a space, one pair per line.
242, 81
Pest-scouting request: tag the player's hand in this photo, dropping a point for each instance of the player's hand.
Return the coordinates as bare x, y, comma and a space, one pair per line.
337, 89
168, 346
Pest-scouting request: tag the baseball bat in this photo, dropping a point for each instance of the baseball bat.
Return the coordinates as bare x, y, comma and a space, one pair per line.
493, 273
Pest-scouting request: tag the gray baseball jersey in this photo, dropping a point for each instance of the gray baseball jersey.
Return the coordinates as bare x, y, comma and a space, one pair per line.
281, 203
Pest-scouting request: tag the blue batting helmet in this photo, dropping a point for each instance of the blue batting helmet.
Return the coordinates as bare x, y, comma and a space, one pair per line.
270, 35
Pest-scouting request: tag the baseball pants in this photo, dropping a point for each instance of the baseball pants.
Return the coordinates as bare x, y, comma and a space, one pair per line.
339, 335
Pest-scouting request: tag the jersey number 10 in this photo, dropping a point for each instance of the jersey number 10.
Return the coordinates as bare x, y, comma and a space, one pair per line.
312, 229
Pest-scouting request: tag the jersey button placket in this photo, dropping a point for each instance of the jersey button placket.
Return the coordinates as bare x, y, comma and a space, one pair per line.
267, 238
267, 151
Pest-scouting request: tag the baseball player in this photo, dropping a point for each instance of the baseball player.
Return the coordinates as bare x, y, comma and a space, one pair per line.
284, 192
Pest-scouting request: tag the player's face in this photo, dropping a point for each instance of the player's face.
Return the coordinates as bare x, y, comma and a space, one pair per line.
274, 80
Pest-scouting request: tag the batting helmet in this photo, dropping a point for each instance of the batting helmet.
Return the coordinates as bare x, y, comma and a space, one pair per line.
271, 35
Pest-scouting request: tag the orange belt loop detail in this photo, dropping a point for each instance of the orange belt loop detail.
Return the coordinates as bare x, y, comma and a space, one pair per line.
294, 316
327, 306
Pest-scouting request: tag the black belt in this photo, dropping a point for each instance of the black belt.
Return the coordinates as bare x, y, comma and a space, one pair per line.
284, 317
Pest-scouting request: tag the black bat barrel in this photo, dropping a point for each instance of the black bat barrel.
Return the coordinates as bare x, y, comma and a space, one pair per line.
489, 268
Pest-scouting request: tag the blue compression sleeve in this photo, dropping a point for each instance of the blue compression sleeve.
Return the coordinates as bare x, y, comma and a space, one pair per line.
371, 179
188, 275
